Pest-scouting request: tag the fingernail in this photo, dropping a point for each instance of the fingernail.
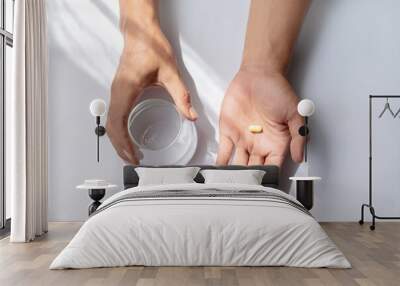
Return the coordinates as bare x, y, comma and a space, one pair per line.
129, 155
193, 113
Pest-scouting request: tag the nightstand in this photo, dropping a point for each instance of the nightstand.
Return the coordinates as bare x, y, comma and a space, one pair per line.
96, 193
304, 190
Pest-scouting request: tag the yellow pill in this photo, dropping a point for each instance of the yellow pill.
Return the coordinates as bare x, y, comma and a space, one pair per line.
255, 128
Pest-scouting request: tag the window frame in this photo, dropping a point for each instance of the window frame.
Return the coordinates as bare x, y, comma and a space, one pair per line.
6, 39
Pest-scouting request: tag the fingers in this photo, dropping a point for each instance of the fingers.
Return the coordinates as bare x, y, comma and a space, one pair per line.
123, 146
273, 159
181, 96
297, 142
123, 95
123, 155
119, 137
256, 160
241, 156
225, 150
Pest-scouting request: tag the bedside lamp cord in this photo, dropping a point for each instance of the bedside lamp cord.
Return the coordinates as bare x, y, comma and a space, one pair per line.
305, 145
98, 136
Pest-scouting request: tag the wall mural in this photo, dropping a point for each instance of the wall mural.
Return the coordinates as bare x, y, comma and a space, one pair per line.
258, 120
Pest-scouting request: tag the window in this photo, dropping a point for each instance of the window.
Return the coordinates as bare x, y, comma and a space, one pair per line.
6, 44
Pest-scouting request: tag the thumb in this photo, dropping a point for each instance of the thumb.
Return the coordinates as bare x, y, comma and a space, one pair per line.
179, 93
298, 141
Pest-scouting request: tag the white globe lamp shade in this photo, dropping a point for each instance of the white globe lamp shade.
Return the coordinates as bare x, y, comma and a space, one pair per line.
98, 107
306, 108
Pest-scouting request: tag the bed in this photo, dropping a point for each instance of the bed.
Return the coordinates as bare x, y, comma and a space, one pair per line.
201, 224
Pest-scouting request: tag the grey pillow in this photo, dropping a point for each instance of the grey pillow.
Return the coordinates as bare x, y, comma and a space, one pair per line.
248, 177
162, 176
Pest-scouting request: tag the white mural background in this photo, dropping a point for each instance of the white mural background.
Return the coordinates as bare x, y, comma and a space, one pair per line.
346, 50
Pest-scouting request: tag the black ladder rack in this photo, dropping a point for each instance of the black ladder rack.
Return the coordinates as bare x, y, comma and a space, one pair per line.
370, 205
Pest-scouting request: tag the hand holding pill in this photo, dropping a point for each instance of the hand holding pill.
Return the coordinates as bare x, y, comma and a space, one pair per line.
259, 121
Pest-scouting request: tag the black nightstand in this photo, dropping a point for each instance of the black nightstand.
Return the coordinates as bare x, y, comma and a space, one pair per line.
96, 193
305, 190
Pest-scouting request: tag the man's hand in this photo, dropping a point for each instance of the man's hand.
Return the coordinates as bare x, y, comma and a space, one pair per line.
147, 59
256, 97
260, 93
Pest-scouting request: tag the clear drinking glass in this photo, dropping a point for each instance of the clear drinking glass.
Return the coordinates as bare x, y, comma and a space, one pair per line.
161, 134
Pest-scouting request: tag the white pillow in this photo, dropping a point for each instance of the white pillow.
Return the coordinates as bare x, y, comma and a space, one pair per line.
248, 177
162, 176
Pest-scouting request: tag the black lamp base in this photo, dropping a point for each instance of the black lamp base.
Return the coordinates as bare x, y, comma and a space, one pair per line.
304, 131
100, 130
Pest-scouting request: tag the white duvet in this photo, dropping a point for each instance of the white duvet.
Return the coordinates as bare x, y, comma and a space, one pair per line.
200, 231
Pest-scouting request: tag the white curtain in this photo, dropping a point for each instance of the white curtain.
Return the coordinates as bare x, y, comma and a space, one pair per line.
26, 123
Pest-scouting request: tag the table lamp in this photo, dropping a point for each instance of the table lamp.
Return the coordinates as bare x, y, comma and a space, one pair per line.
98, 109
305, 184
305, 108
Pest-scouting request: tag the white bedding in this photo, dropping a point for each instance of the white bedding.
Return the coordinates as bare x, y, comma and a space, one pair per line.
200, 231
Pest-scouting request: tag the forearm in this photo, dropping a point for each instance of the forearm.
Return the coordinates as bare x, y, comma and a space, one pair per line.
141, 29
272, 29
137, 14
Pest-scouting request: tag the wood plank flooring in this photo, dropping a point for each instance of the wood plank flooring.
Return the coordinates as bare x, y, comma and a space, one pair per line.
375, 257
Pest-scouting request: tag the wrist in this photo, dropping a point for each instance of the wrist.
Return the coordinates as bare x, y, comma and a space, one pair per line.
271, 56
266, 69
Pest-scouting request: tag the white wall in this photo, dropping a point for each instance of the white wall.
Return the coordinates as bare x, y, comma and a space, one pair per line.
347, 50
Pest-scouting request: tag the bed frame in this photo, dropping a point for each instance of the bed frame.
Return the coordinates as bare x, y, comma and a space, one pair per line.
270, 179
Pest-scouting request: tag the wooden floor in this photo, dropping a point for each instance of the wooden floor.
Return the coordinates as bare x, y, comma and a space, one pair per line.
375, 257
